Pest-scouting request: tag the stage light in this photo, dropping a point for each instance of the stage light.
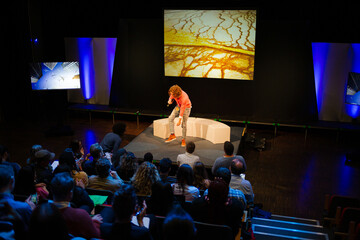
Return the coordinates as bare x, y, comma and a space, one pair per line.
86, 63
354, 110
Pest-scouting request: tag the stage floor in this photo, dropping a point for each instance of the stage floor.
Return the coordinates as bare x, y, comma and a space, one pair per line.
207, 151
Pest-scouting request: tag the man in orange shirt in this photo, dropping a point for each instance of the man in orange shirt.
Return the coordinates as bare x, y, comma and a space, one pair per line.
182, 110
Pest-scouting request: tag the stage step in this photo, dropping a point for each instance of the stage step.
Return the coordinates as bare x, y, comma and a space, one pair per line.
283, 227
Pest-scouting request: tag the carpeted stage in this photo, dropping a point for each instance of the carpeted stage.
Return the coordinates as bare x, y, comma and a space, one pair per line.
207, 151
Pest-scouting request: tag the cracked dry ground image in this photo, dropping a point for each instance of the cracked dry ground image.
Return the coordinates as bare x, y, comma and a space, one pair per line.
210, 43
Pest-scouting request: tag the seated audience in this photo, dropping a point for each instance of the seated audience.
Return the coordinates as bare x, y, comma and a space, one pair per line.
7, 183
78, 221
46, 222
148, 157
127, 167
80, 198
164, 170
67, 157
77, 148
188, 157
161, 199
237, 182
112, 141
105, 178
125, 207
218, 208
178, 225
225, 161
34, 149
15, 226
89, 165
118, 156
201, 179
224, 174
145, 176
25, 181
184, 183
5, 159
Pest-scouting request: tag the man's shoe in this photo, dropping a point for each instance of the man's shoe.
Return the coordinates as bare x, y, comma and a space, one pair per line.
171, 138
183, 143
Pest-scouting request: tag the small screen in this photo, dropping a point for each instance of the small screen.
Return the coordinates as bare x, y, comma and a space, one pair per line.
210, 43
353, 89
55, 75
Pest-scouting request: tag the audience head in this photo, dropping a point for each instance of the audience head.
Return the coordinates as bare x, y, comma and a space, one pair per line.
96, 151
103, 167
224, 174
119, 128
47, 222
185, 175
145, 176
4, 153
162, 198
165, 165
62, 186
124, 202
237, 167
228, 148
34, 149
118, 155
67, 157
200, 175
127, 167
218, 192
44, 157
178, 225
7, 180
190, 147
76, 147
148, 157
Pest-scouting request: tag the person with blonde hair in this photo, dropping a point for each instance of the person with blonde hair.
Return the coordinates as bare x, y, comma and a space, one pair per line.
182, 110
145, 176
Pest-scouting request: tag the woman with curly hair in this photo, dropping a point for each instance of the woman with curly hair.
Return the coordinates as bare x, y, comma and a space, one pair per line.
145, 176
182, 110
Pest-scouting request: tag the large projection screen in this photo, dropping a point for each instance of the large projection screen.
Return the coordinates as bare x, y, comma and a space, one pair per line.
210, 43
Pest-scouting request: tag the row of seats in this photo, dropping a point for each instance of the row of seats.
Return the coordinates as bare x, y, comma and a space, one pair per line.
342, 215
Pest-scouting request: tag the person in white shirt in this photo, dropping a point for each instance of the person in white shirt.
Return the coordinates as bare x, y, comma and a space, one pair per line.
188, 157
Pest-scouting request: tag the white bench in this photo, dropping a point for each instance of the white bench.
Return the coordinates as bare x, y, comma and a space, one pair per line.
213, 131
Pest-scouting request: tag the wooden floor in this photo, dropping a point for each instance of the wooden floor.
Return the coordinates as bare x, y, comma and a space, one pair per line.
290, 177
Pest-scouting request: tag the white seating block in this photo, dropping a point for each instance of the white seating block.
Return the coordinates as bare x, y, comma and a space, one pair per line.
213, 131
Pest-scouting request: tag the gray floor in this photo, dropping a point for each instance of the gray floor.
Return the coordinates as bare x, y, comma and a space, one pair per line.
207, 151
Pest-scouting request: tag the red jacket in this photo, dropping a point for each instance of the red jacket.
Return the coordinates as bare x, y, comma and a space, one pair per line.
183, 102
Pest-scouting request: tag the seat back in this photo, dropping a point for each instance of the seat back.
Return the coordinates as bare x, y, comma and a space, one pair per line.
348, 214
341, 201
206, 231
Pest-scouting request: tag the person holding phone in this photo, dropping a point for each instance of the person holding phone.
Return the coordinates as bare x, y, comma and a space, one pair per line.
181, 110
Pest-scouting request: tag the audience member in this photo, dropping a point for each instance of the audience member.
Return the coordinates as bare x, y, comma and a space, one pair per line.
125, 207
225, 161
218, 208
178, 225
184, 183
34, 149
77, 148
78, 221
111, 141
89, 165
118, 156
145, 176
25, 181
7, 184
161, 199
201, 179
128, 166
46, 222
148, 157
164, 170
80, 198
237, 182
105, 178
15, 225
67, 157
188, 157
43, 169
5, 159
225, 174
